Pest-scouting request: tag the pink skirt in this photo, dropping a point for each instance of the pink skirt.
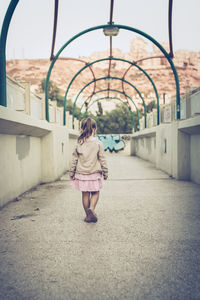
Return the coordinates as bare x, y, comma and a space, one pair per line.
87, 183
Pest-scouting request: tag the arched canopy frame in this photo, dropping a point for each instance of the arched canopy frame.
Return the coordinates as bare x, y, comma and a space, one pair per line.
82, 61
120, 27
116, 59
3, 39
106, 90
103, 78
120, 92
113, 98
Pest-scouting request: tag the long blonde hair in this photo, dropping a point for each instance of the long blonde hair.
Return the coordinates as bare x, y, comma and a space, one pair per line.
87, 128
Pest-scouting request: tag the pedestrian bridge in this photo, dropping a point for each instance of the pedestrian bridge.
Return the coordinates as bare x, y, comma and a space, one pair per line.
34, 151
145, 244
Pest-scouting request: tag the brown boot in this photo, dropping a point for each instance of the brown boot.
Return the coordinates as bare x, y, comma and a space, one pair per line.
87, 219
92, 215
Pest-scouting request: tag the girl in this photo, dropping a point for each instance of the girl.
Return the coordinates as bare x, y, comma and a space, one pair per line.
88, 165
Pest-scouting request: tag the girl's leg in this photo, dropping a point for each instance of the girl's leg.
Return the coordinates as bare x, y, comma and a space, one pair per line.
94, 199
86, 201
93, 202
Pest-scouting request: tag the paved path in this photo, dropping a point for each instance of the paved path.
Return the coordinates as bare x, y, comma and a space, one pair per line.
146, 244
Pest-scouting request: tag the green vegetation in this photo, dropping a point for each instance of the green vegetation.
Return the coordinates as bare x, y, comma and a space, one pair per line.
54, 94
53, 90
150, 106
119, 120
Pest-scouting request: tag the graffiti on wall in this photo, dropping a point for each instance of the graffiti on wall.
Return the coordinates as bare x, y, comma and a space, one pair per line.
112, 143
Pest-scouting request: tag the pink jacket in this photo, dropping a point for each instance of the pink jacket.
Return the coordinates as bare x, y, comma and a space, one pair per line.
88, 158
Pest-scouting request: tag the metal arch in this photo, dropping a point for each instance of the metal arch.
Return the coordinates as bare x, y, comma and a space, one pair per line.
120, 27
86, 64
146, 58
171, 54
142, 59
112, 90
103, 98
124, 94
112, 77
54, 28
139, 60
116, 59
120, 92
3, 38
114, 98
134, 63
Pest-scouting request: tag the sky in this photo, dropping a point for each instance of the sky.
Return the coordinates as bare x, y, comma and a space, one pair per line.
30, 32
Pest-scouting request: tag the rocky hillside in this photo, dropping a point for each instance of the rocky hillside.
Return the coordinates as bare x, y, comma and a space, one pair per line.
186, 62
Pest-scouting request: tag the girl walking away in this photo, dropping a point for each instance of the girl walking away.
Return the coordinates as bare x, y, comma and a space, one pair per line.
87, 167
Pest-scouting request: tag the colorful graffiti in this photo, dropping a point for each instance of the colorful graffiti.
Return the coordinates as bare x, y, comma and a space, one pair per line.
112, 143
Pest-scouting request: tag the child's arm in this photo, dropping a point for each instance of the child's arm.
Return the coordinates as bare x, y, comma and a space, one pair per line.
102, 161
74, 162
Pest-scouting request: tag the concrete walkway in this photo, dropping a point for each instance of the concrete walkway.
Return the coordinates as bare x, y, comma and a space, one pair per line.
146, 244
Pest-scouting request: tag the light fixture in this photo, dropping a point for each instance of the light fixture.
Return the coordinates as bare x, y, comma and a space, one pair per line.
111, 30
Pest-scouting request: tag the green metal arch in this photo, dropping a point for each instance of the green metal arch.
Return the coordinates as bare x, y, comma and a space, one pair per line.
116, 59
116, 98
120, 27
3, 39
120, 92
112, 90
112, 77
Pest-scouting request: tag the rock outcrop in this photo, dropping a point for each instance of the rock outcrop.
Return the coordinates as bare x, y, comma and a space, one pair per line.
186, 62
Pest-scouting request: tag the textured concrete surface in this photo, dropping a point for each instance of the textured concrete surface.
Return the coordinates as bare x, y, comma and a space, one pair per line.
145, 245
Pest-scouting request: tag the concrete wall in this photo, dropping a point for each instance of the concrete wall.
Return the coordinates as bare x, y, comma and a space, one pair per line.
173, 148
20, 165
189, 146
32, 152
195, 157
164, 148
144, 144
195, 103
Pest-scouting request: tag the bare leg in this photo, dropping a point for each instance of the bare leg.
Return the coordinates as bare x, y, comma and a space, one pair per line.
86, 201
94, 199
93, 202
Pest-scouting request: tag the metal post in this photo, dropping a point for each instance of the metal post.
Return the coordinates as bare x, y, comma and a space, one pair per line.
164, 98
3, 38
138, 118
132, 119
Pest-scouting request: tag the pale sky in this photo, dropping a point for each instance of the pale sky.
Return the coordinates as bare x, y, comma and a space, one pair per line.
30, 33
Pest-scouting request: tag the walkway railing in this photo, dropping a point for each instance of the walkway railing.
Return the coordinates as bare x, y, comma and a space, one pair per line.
21, 99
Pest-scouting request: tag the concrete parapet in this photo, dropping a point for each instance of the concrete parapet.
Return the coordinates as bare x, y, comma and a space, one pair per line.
76, 124
35, 106
20, 98
195, 103
70, 121
142, 123
15, 95
32, 151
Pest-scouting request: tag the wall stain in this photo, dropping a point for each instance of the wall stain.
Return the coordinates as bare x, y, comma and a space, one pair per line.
22, 146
